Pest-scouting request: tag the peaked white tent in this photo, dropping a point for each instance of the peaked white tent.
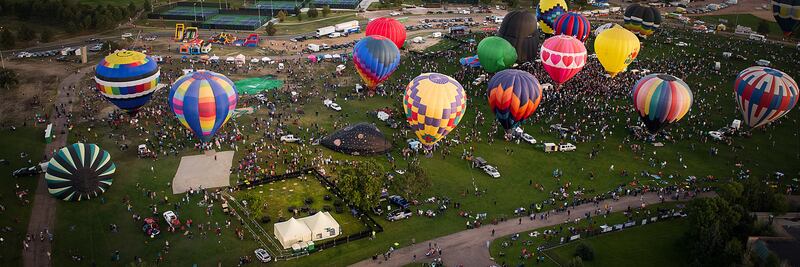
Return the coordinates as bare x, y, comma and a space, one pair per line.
322, 225
291, 232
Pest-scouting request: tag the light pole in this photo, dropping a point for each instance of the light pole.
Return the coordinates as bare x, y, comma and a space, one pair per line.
194, 11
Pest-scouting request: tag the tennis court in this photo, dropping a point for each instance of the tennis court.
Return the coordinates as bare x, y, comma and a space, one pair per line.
277, 5
340, 4
185, 13
234, 22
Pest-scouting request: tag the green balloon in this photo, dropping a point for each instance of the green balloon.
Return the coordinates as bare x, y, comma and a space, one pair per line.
496, 54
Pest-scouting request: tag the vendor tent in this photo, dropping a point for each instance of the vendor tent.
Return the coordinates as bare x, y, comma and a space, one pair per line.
214, 59
266, 60
291, 232
240, 59
230, 60
254, 60
322, 225
358, 139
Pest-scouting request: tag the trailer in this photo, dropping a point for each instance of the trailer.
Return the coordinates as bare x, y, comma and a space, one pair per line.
313, 47
325, 31
346, 26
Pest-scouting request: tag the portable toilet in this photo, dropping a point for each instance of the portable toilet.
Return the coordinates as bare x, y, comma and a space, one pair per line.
717, 65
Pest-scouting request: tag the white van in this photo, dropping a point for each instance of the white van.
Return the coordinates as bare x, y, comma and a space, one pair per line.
335, 35
566, 147
762, 62
757, 37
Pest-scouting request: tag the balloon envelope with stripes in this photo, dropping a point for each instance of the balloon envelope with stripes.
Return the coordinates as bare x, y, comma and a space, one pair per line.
79, 172
661, 100
764, 94
127, 79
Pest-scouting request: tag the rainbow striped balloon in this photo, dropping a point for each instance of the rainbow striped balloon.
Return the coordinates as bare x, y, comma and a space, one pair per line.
513, 97
563, 56
434, 104
127, 78
203, 101
573, 24
661, 99
764, 94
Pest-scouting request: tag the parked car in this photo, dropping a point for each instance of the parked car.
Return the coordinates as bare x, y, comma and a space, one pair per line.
289, 138
399, 201
566, 147
331, 105
398, 214
262, 255
127, 35
27, 171
716, 135
528, 138
171, 218
491, 171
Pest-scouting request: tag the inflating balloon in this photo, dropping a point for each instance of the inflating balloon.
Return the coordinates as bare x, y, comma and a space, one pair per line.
661, 100
389, 28
513, 96
643, 20
603, 28
563, 56
787, 15
375, 58
496, 54
203, 101
434, 105
764, 94
547, 11
471, 61
573, 24
127, 78
616, 48
519, 29
79, 172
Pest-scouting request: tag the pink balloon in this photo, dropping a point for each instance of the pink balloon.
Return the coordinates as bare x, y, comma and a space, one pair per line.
563, 56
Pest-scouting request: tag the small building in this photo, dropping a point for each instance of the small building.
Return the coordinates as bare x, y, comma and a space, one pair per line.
291, 232
550, 147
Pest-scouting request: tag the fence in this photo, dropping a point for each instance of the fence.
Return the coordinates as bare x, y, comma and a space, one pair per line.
181, 11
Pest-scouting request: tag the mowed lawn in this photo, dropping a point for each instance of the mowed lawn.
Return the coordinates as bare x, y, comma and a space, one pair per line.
28, 140
658, 244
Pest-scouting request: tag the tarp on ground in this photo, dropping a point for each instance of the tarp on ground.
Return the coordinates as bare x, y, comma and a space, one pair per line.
251, 86
358, 139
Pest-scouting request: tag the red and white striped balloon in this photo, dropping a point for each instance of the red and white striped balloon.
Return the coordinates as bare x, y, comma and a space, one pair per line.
563, 56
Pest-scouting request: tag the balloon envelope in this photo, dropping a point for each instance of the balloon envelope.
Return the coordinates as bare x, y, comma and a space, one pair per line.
643, 20
764, 94
496, 54
616, 48
203, 101
787, 14
603, 28
434, 105
79, 171
519, 29
375, 58
563, 56
547, 11
127, 78
661, 99
513, 96
389, 28
471, 61
573, 24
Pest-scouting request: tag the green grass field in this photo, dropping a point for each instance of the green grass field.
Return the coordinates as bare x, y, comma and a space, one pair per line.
292, 26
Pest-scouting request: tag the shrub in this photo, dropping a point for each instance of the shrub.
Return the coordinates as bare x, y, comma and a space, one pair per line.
584, 251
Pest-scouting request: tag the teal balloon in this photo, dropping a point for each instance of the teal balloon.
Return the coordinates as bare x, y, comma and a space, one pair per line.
496, 54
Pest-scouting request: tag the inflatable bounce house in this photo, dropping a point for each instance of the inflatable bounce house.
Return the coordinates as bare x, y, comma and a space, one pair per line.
223, 39
194, 47
251, 41
185, 34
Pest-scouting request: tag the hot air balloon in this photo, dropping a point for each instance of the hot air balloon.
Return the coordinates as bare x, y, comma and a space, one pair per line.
604, 27
471, 61
661, 99
643, 20
573, 24
496, 54
389, 28
513, 96
616, 48
434, 104
787, 14
519, 29
79, 172
127, 78
203, 101
547, 11
563, 56
376, 58
764, 94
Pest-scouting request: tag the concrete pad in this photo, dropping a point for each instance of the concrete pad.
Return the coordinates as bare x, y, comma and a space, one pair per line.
209, 170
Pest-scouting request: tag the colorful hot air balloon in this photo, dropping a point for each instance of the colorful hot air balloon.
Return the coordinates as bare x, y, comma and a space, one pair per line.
616, 48
661, 99
127, 79
547, 11
573, 24
434, 104
642, 20
764, 94
496, 54
563, 56
513, 96
519, 29
604, 27
787, 14
471, 61
376, 58
79, 171
203, 101
389, 28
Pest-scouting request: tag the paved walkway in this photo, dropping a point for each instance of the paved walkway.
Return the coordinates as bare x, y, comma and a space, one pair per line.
43, 213
468, 247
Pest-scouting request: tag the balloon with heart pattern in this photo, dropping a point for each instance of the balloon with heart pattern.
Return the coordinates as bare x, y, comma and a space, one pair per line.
563, 56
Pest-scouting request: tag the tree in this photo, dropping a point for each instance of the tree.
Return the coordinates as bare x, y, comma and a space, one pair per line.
111, 46
7, 39
281, 16
148, 6
486, 2
575, 262
361, 184
131, 7
326, 10
46, 36
763, 27
713, 223
25, 33
299, 14
271, 30
8, 78
312, 11
584, 251
510, 3
414, 181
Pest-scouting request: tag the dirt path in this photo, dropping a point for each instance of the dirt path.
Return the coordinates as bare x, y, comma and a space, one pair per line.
43, 213
469, 247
